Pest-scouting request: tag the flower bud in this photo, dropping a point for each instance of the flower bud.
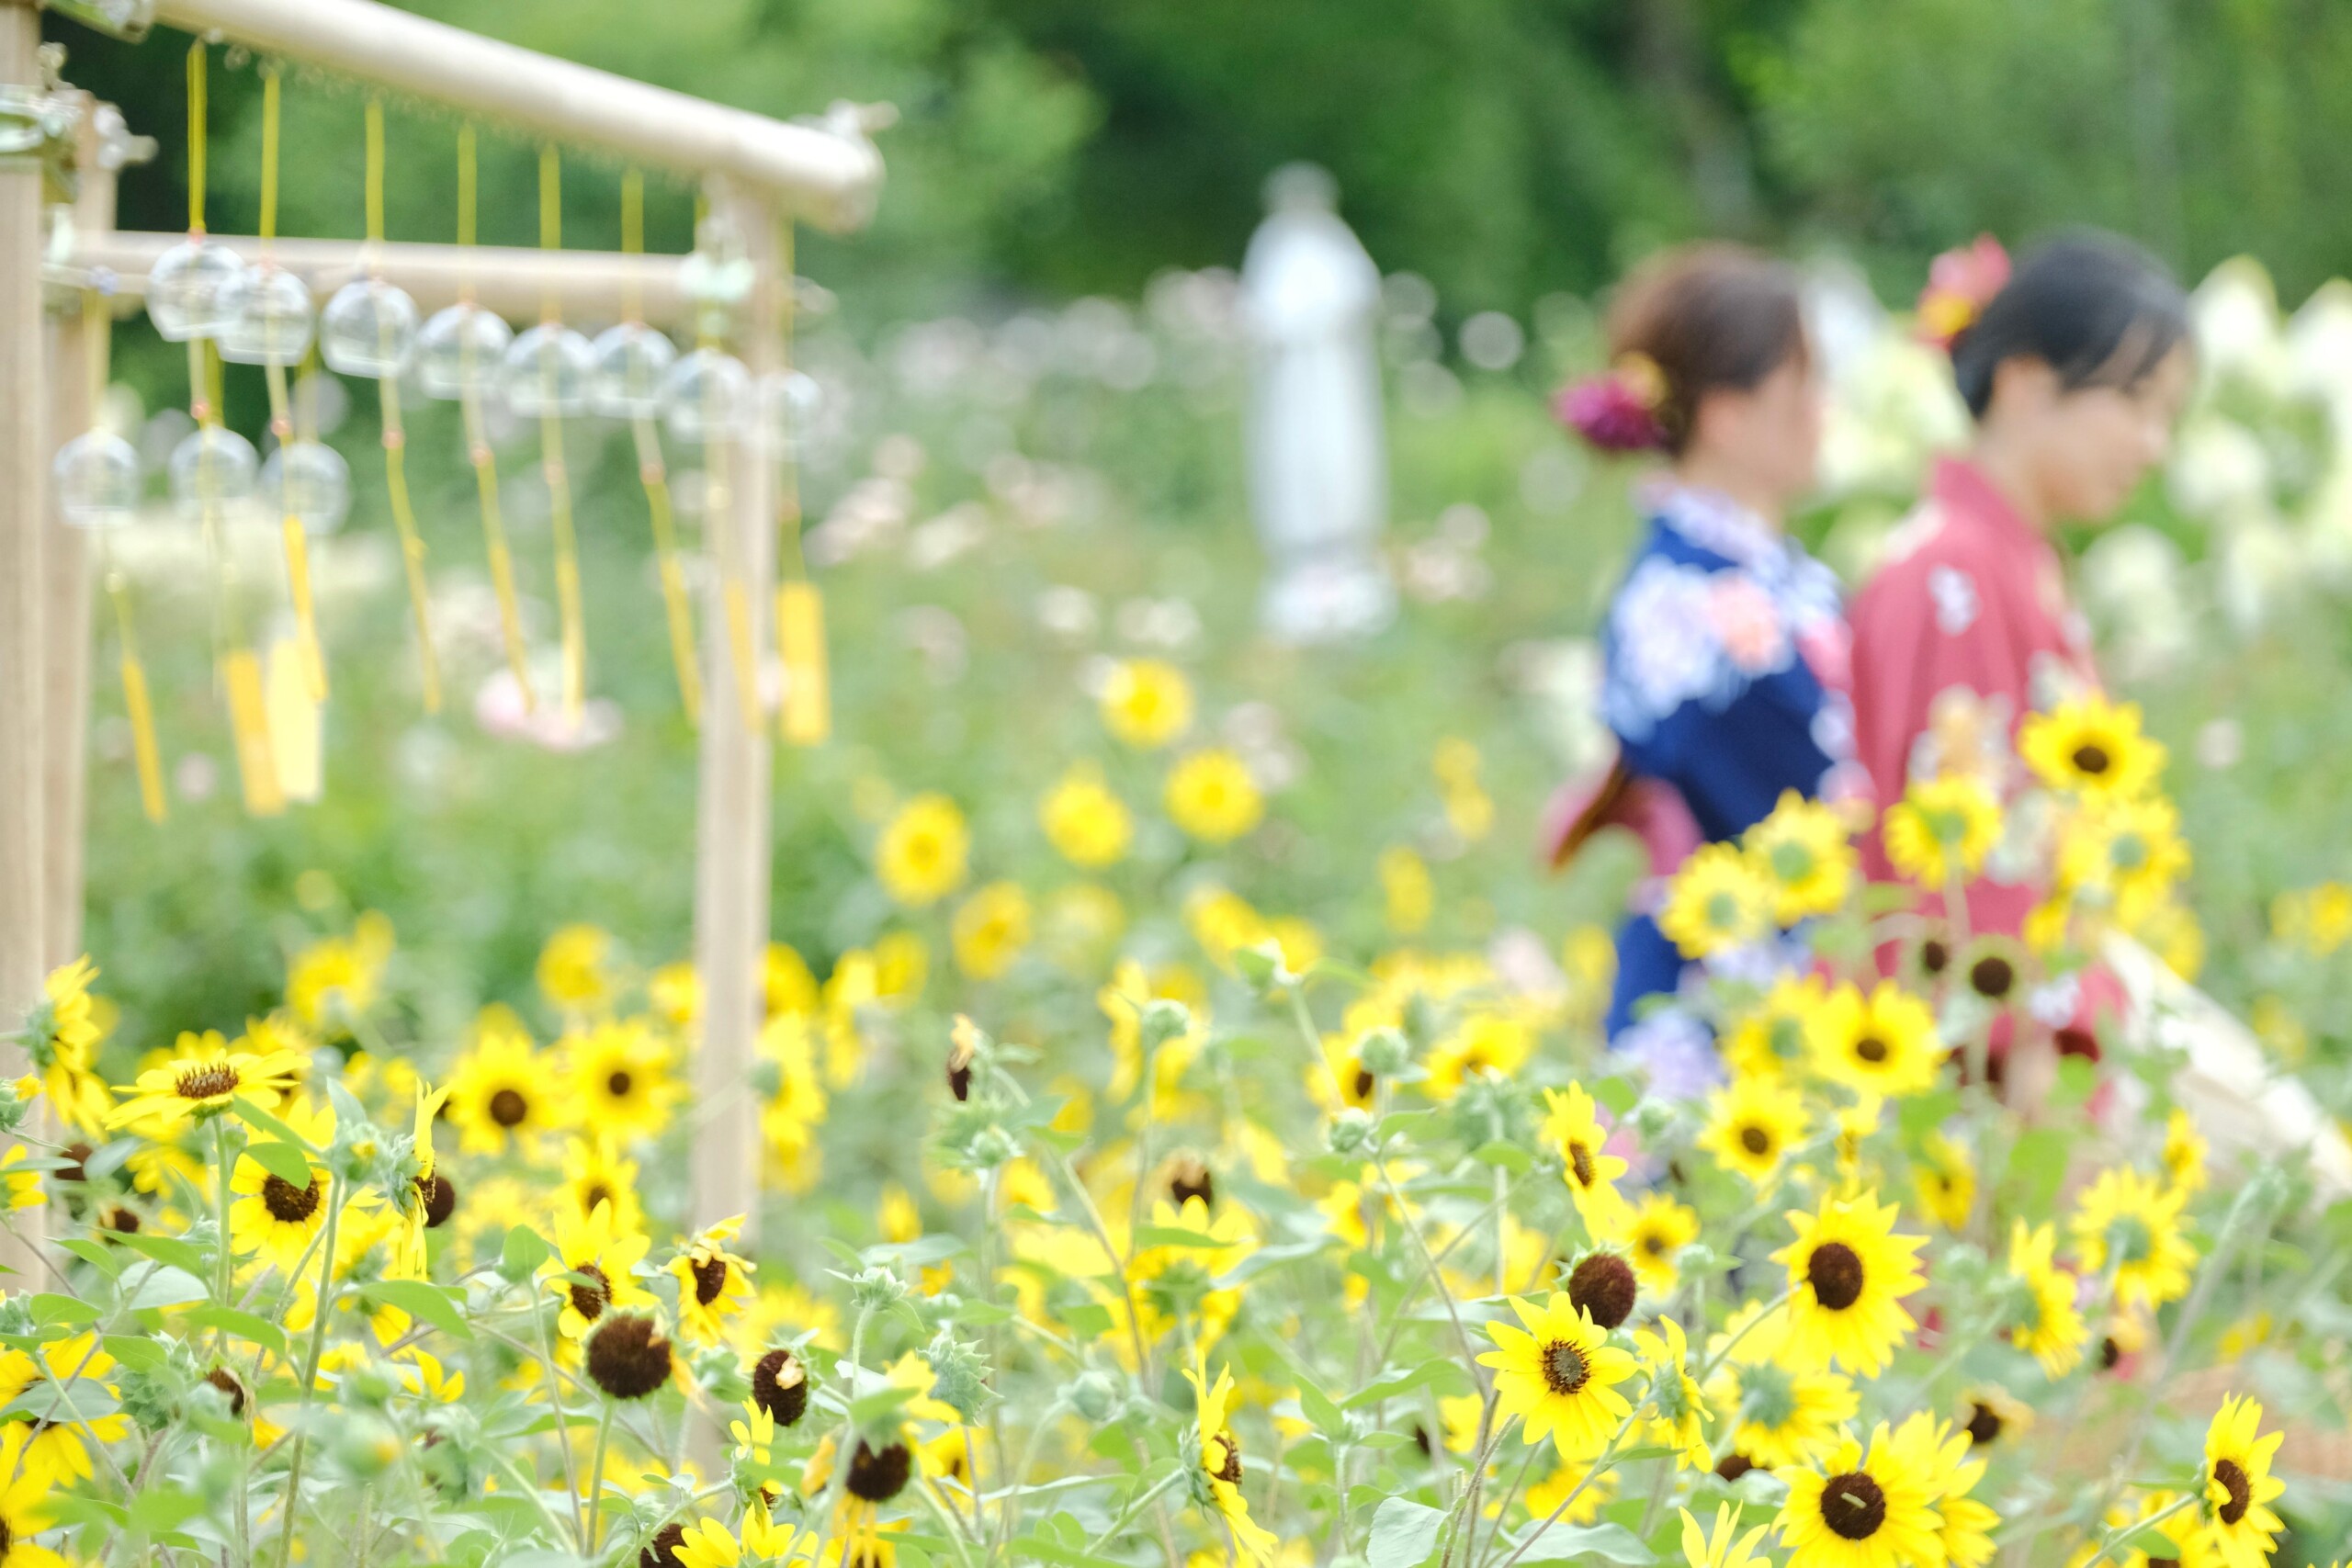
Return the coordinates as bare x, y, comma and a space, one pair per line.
1098, 1395
1351, 1133
1383, 1051
1163, 1019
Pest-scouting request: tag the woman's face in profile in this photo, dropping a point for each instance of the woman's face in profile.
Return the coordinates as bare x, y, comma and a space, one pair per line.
1771, 432
2095, 443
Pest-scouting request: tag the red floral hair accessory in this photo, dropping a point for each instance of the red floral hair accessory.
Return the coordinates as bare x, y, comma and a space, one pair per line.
1961, 283
1620, 410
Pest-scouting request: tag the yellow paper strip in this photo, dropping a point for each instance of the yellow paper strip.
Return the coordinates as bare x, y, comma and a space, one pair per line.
800, 637
295, 740
142, 737
249, 725
306, 624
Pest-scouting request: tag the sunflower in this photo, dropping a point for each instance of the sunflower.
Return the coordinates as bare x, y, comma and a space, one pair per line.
1220, 1471
1882, 1044
1768, 1039
1679, 1416
1654, 1230
200, 1080
1727, 1548
2131, 1223
1481, 1044
1848, 1275
1943, 1454
2184, 1152
1864, 1506
1560, 1374
594, 1173
1945, 1178
1572, 1129
574, 970
61, 1038
1942, 829
335, 979
923, 851
2052, 1330
1718, 900
2123, 855
605, 1259
49, 1452
21, 1517
1807, 856
1173, 1284
1088, 826
2091, 747
1546, 1495
272, 1216
501, 1091
619, 1080
1147, 703
990, 930
1778, 1417
1752, 1122
713, 1283
1211, 795
2239, 1485
2183, 1526
431, 1198
1993, 1414
1994, 969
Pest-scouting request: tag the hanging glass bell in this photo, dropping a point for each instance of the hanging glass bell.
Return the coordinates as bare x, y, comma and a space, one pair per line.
211, 470
97, 479
269, 317
633, 365
790, 402
307, 480
462, 351
368, 328
710, 396
187, 290
547, 372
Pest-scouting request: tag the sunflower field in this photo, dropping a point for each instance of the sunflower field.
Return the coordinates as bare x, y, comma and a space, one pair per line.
1187, 1135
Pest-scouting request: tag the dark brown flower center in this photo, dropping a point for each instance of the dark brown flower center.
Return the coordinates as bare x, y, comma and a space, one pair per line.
1755, 1140
618, 1083
590, 1300
2109, 1353
2234, 1478
1229, 1469
1565, 1367
1853, 1505
1835, 1272
780, 1386
1871, 1049
1191, 1179
2091, 758
1734, 1465
1603, 1288
440, 1199
878, 1477
628, 1356
959, 1071
661, 1551
1580, 1163
289, 1204
1992, 977
508, 1107
122, 1218
710, 1278
221, 1379
1364, 1083
1984, 1424
1935, 955
1654, 1244
207, 1082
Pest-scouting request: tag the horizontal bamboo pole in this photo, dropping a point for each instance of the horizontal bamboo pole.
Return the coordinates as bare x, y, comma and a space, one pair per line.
513, 282
827, 174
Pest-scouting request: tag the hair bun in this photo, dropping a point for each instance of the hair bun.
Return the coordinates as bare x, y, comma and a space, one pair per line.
1961, 283
1619, 410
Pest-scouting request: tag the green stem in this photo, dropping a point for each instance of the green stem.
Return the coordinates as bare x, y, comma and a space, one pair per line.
322, 1308
596, 1478
1135, 1506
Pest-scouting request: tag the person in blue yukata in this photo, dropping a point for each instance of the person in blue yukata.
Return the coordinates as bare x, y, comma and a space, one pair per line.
1724, 651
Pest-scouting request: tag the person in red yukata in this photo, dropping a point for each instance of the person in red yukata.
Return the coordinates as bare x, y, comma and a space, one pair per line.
2074, 369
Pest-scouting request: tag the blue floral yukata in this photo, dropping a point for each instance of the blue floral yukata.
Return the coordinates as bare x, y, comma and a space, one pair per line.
1725, 675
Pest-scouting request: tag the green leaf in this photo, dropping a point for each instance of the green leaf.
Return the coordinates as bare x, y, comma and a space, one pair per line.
166, 1249
1510, 1157
1618, 1095
96, 1253
49, 1308
141, 1355
152, 1512
868, 1410
1173, 1235
426, 1303
524, 1250
283, 1161
1400, 1382
1573, 1543
1319, 1408
243, 1325
254, 1116
168, 1286
1403, 1533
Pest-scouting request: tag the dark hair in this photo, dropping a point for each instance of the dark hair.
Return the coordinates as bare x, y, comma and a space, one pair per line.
1710, 317
2097, 309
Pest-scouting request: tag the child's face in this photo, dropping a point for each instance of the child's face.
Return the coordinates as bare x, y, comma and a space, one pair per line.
2094, 444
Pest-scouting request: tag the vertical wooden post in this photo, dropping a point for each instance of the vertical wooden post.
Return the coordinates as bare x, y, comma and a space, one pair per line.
731, 867
65, 673
24, 516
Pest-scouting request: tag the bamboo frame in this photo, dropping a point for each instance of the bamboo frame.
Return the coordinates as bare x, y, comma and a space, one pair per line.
827, 174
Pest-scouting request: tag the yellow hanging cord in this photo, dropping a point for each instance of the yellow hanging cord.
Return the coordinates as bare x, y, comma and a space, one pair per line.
281, 421
196, 117
567, 547
388, 397
95, 325
725, 544
655, 477
808, 715
485, 462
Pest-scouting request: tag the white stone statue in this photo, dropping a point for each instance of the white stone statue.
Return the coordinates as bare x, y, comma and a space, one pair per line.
1318, 467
